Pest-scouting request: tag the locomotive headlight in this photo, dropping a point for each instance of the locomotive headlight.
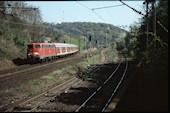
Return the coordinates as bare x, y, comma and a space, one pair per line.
35, 53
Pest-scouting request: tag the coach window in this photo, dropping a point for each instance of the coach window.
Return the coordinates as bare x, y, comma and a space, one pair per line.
37, 46
51, 46
47, 46
44, 46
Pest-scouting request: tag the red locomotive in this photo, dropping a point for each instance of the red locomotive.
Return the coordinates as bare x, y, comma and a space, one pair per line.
43, 51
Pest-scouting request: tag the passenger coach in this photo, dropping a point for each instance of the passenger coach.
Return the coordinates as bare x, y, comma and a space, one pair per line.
43, 51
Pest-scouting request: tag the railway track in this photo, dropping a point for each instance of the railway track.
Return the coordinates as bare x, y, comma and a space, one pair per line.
8, 72
11, 79
102, 96
32, 73
89, 97
19, 69
32, 103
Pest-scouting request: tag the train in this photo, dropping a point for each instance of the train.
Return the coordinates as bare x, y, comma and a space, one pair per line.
46, 51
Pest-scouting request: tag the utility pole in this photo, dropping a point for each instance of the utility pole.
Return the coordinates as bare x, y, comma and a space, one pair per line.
147, 24
154, 20
147, 3
154, 17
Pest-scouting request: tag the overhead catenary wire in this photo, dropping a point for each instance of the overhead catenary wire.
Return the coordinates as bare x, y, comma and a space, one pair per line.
117, 6
107, 12
120, 5
92, 11
133, 8
144, 15
138, 13
99, 17
119, 26
107, 7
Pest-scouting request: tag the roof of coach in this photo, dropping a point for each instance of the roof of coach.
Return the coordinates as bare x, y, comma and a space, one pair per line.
57, 44
65, 45
42, 43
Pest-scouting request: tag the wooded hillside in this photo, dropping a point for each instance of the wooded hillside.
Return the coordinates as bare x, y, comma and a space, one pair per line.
21, 24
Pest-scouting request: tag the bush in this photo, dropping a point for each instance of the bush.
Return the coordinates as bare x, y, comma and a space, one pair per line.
2, 52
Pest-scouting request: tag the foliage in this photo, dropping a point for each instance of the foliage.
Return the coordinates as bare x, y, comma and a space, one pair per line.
98, 31
153, 49
131, 40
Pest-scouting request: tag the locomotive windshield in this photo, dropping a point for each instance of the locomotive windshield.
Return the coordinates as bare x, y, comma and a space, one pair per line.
37, 46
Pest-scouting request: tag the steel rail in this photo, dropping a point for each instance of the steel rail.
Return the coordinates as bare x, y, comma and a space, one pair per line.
34, 67
70, 83
116, 87
58, 87
84, 103
8, 105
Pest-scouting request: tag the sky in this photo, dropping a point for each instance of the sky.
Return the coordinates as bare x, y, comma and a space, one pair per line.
81, 11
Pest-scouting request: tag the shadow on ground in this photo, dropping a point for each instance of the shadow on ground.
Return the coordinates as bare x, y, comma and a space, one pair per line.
20, 61
77, 95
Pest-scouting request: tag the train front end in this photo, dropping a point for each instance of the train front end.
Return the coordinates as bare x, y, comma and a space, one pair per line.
33, 52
